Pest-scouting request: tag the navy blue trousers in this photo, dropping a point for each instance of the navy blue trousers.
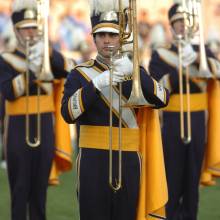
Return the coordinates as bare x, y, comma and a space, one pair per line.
183, 165
97, 201
29, 168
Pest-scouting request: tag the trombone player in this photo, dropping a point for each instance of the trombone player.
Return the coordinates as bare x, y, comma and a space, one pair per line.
28, 166
183, 137
87, 102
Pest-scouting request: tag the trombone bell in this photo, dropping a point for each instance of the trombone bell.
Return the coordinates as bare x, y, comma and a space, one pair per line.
136, 98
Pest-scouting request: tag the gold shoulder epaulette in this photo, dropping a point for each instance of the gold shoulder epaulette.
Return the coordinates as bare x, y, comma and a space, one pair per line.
89, 63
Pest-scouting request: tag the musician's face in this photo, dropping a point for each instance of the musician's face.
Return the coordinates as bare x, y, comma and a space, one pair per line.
103, 40
178, 27
23, 34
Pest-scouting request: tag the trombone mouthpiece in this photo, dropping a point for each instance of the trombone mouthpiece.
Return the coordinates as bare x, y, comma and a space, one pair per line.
110, 47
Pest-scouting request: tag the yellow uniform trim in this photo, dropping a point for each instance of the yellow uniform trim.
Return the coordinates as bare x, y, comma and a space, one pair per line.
101, 64
155, 90
88, 63
18, 107
198, 102
98, 70
83, 74
97, 137
165, 96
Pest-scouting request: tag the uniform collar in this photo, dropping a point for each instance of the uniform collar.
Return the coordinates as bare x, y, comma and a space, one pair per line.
103, 61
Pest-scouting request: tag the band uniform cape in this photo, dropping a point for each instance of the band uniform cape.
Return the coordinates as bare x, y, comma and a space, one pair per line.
63, 153
211, 167
153, 194
210, 102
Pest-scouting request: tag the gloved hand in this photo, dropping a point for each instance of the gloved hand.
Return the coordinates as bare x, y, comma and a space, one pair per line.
35, 58
188, 54
123, 66
103, 80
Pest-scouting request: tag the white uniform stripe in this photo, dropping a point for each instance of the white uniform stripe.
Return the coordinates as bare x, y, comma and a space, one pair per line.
19, 85
127, 114
171, 58
15, 61
75, 104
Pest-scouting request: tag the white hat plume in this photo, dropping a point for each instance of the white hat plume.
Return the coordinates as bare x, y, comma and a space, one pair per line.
99, 6
19, 5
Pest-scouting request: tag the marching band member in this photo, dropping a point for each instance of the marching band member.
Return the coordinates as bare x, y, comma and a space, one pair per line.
86, 102
28, 168
183, 161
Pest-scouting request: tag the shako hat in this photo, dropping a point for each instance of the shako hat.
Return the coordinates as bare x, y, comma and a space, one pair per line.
24, 13
104, 15
175, 13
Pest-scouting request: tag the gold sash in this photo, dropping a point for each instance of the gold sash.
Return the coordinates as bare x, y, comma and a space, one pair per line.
18, 106
98, 137
198, 102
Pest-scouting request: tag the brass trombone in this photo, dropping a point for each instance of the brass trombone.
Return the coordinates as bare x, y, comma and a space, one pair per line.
192, 13
128, 25
37, 139
203, 67
118, 184
45, 74
190, 27
136, 98
186, 139
43, 7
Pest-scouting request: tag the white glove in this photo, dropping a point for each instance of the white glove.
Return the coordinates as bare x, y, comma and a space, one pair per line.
188, 55
123, 66
103, 80
35, 58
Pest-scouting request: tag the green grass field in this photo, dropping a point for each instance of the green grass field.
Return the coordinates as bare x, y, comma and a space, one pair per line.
62, 203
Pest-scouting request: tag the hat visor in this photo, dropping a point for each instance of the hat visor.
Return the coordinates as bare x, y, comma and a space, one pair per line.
27, 24
106, 29
176, 17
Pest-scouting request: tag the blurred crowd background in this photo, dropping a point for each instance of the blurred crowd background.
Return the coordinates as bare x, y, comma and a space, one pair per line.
70, 26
